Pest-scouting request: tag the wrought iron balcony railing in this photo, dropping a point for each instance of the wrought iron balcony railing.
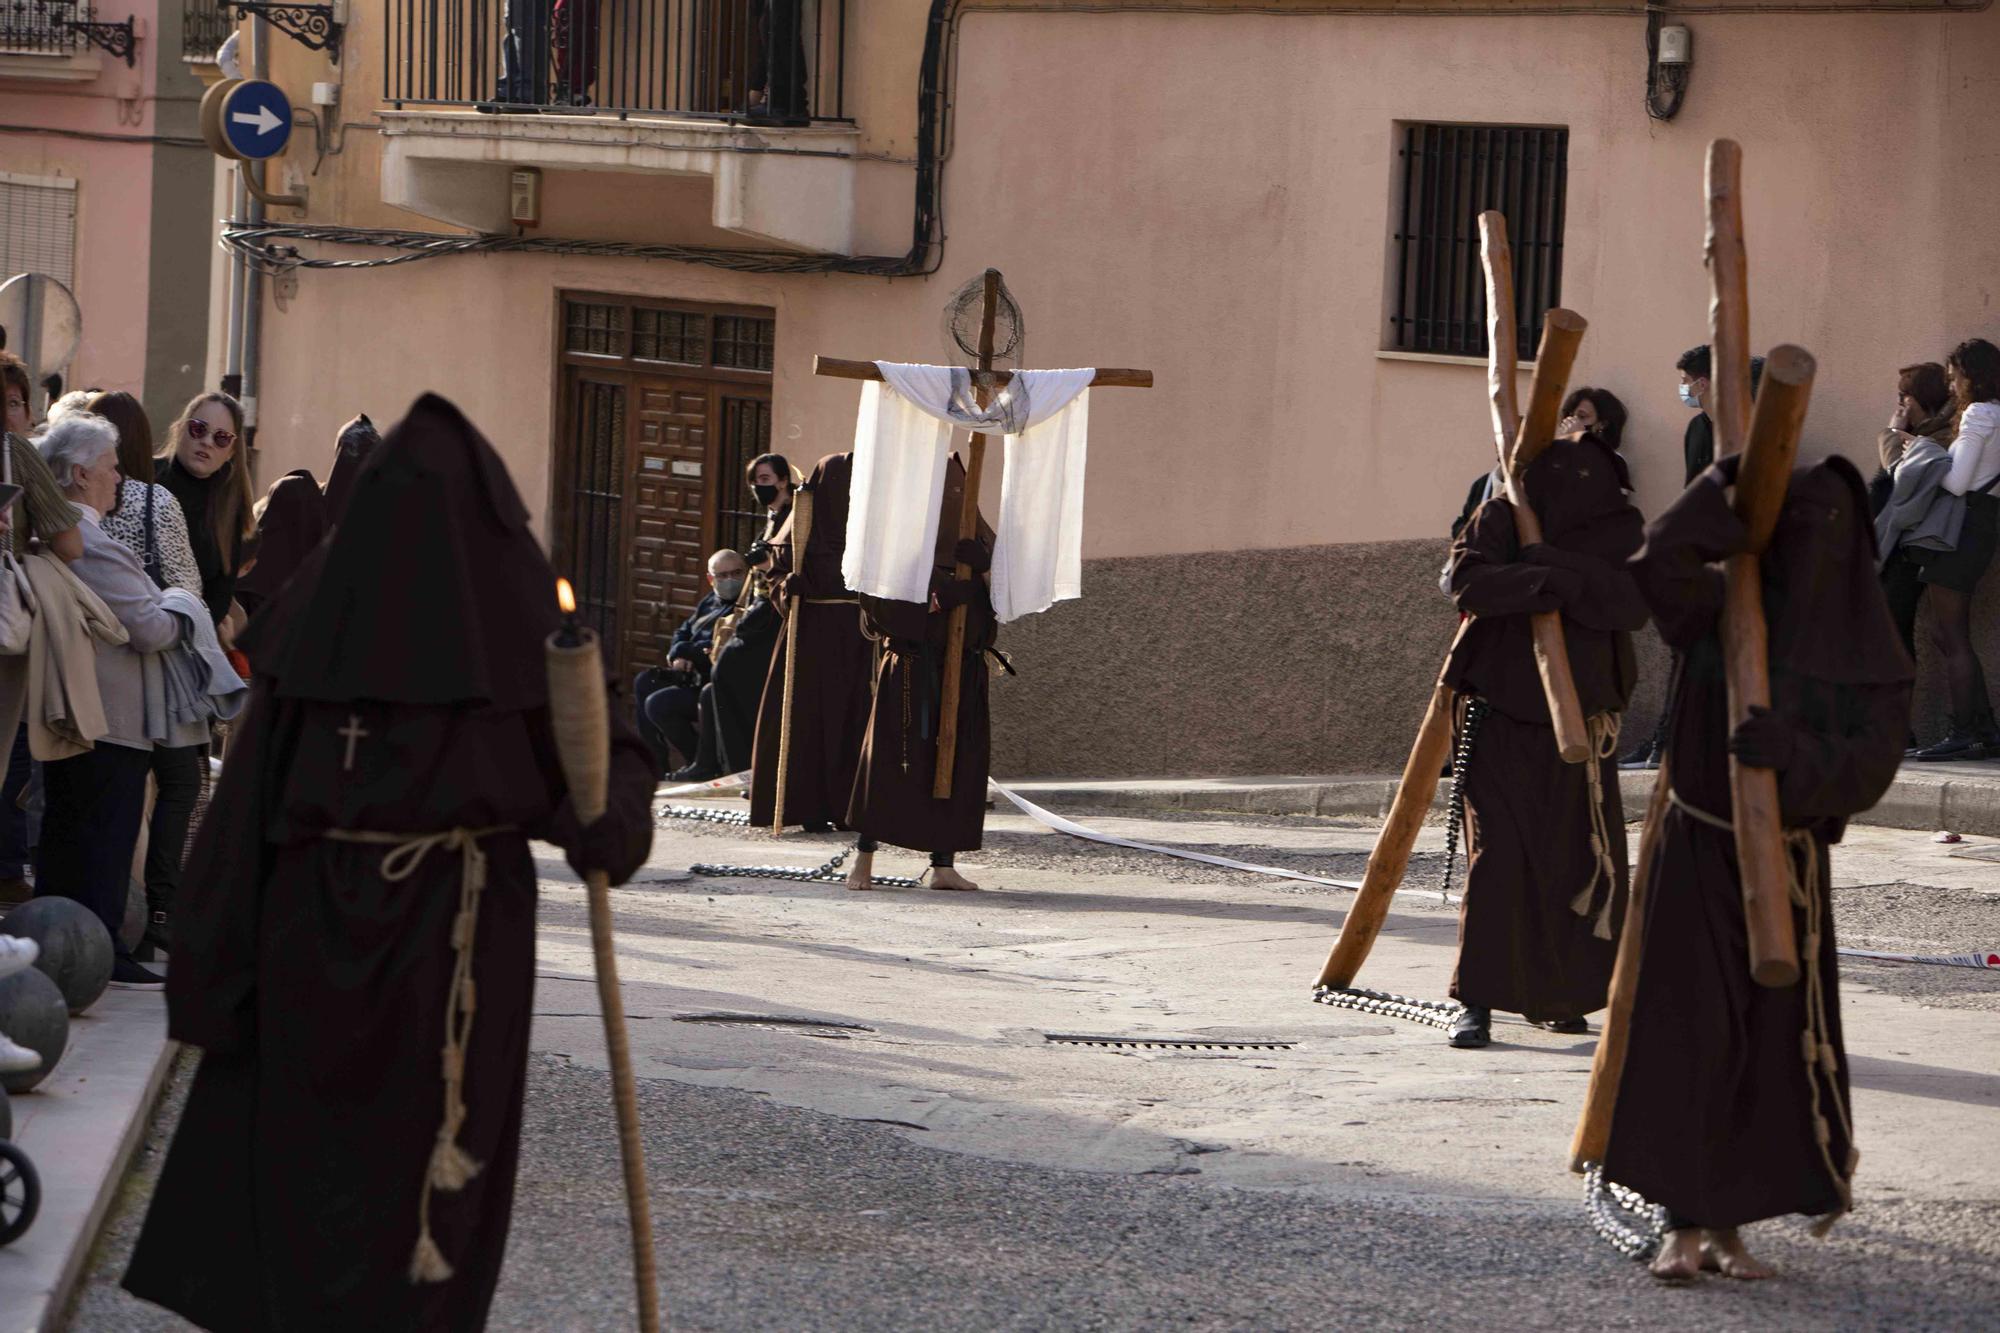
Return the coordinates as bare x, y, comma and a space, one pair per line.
771, 61
205, 26
39, 27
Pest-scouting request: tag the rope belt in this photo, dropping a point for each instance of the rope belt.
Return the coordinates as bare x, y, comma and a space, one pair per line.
451, 1167
1803, 887
1603, 744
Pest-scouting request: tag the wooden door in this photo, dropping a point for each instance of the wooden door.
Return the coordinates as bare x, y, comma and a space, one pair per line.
673, 436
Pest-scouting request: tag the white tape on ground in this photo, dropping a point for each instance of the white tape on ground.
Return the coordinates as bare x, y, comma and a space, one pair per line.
1989, 958
1076, 830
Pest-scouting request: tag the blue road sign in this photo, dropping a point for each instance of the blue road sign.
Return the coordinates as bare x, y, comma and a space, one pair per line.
257, 119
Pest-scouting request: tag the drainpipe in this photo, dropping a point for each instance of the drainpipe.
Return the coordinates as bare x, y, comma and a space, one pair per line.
253, 280
232, 343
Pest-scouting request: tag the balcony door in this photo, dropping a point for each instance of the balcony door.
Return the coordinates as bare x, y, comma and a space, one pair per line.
662, 405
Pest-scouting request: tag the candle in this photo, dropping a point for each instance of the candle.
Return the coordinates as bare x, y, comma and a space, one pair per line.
571, 634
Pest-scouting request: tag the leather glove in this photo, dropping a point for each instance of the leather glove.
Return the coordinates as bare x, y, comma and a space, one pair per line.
597, 847
973, 554
1723, 470
956, 592
1763, 740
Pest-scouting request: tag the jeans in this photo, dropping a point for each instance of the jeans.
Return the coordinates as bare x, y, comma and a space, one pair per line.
178, 773
525, 52
96, 801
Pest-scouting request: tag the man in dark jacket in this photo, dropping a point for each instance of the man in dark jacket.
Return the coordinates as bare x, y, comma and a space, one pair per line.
670, 696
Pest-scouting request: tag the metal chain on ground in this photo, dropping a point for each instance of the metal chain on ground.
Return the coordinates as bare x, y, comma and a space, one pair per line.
1609, 1207
826, 874
1454, 823
702, 814
1434, 1013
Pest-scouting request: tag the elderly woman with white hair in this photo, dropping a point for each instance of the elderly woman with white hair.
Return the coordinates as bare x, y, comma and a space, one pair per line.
95, 801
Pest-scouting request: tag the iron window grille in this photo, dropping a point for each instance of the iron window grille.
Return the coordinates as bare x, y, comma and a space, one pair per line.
205, 26
35, 27
1450, 175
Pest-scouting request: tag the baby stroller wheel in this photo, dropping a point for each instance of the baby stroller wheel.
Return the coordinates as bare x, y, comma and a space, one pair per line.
20, 1193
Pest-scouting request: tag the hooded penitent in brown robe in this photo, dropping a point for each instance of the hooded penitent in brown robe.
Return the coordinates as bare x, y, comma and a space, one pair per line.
357, 441
1545, 878
292, 524
892, 787
1718, 1114
398, 739
830, 707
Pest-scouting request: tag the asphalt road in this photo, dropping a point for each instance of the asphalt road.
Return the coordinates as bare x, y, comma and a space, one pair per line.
940, 1166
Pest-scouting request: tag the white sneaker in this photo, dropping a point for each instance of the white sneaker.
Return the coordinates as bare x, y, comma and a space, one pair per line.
15, 1058
17, 955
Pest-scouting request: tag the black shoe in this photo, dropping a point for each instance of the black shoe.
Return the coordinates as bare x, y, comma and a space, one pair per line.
1573, 1027
1958, 745
159, 934
1473, 1029
128, 975
1646, 756
819, 826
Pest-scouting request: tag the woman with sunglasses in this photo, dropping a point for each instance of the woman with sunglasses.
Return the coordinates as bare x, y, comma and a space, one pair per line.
203, 465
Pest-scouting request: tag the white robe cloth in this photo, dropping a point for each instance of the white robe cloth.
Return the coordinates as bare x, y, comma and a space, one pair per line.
902, 440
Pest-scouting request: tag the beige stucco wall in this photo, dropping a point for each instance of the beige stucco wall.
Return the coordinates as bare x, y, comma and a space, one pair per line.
1208, 195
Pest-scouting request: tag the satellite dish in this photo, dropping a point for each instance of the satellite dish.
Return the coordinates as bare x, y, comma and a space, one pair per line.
43, 322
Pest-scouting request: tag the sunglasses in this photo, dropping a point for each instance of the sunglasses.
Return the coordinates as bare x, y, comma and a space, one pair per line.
197, 429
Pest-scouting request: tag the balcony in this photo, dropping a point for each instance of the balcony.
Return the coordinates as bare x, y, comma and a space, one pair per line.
37, 42
205, 26
746, 93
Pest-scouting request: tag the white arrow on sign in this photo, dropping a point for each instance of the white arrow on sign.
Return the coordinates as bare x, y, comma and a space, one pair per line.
264, 120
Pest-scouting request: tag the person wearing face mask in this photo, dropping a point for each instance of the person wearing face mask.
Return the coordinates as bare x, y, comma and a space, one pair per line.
1698, 445
772, 481
669, 697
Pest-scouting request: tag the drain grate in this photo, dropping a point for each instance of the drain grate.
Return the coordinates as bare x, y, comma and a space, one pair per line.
1164, 1043
812, 1027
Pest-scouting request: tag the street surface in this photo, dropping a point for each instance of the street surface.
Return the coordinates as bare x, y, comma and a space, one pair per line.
855, 1118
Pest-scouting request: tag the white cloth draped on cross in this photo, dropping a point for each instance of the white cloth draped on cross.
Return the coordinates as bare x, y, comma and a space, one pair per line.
902, 440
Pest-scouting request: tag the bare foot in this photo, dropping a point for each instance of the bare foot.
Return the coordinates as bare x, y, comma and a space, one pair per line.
1723, 1252
945, 877
861, 871
1679, 1258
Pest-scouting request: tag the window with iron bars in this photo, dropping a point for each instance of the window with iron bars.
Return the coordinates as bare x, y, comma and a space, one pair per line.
205, 26
40, 27
1450, 174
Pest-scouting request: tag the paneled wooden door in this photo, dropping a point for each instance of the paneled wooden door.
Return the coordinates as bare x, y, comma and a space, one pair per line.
659, 404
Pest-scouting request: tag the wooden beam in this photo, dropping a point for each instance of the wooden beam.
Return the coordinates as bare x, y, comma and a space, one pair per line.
842, 369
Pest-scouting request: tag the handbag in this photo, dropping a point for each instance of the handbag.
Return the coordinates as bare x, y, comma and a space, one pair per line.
155, 567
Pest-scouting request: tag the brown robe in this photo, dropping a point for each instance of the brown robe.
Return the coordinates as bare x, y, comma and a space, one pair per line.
892, 799
316, 983
836, 661
1531, 848
1716, 1110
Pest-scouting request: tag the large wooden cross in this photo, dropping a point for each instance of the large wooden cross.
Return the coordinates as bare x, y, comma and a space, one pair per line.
1519, 441
985, 380
1769, 443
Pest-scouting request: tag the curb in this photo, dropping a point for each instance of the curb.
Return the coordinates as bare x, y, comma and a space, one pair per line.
82, 1128
1915, 800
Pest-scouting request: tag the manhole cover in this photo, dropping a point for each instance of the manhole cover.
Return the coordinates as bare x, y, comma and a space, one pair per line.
1164, 1043
811, 1027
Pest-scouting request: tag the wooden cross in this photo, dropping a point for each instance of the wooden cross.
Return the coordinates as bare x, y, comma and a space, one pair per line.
1519, 441
354, 731
986, 379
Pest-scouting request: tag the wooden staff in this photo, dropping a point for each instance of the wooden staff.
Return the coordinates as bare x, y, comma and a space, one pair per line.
968, 527
1518, 443
1607, 1067
581, 724
1769, 447
802, 512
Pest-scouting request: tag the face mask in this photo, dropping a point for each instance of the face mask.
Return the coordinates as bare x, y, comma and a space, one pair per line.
766, 495
727, 589
1688, 399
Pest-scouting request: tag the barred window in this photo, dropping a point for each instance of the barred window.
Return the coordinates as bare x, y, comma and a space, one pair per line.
1450, 175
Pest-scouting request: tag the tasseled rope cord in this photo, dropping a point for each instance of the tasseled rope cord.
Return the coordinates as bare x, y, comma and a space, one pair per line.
1803, 887
450, 1165
1603, 744
1471, 713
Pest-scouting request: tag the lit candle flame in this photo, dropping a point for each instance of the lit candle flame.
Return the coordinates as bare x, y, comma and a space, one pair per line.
565, 597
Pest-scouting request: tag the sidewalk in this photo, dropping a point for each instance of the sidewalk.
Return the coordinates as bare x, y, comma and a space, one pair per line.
1964, 798
80, 1127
